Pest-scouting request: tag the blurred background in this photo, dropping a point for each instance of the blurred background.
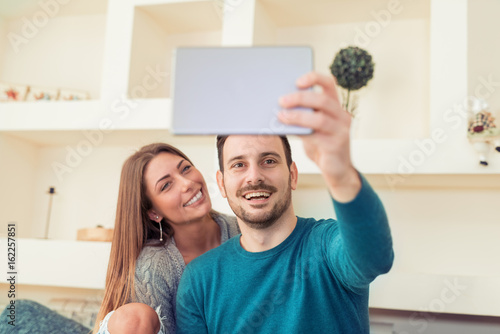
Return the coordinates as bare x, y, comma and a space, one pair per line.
86, 83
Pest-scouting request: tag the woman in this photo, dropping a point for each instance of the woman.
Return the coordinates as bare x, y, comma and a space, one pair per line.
164, 219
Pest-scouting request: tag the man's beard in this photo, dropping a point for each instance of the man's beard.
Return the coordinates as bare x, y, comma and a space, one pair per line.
269, 218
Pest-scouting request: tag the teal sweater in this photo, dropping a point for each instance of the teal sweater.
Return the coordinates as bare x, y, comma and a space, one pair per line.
316, 281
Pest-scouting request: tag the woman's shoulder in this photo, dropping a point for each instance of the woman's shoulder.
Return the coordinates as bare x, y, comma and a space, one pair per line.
228, 224
154, 255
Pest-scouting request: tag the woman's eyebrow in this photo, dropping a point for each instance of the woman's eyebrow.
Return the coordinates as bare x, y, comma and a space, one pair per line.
168, 175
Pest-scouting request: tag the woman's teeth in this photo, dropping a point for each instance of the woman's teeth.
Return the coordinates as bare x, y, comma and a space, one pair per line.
194, 199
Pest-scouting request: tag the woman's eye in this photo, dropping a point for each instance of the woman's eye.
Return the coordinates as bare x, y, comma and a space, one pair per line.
186, 168
165, 186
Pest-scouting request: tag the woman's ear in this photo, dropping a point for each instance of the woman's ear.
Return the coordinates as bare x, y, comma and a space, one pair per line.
154, 216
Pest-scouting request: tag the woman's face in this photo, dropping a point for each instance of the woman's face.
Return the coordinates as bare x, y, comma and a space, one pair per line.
176, 189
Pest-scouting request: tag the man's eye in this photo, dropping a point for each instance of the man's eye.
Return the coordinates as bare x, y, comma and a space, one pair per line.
238, 165
269, 161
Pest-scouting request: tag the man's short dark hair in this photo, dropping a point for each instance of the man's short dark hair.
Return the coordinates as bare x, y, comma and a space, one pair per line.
221, 140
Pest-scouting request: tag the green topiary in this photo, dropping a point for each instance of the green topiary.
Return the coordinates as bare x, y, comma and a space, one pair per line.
353, 68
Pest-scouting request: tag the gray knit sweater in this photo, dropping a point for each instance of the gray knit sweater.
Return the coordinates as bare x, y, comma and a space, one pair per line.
159, 269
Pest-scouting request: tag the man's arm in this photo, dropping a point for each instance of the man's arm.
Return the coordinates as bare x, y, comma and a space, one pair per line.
364, 241
363, 248
329, 144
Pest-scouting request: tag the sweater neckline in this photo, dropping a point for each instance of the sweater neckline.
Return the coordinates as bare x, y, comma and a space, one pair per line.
270, 252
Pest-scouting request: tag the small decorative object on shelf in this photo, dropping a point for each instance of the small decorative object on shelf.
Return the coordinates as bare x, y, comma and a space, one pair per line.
98, 233
17, 93
353, 67
482, 130
10, 92
73, 95
42, 94
51, 192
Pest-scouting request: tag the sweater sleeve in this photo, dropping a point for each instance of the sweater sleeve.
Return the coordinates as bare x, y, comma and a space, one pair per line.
361, 248
156, 284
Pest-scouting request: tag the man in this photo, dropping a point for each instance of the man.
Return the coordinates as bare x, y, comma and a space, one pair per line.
287, 274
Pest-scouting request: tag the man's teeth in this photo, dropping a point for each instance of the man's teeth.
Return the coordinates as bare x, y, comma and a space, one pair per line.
259, 194
194, 199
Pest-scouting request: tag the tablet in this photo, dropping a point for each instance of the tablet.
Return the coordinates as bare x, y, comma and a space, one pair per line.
235, 90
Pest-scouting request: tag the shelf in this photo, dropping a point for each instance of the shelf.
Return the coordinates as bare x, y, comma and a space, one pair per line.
75, 264
422, 292
399, 159
121, 114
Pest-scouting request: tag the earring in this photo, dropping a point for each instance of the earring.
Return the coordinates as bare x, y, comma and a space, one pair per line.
161, 231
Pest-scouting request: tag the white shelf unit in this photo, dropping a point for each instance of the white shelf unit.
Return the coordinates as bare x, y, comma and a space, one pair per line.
59, 263
421, 76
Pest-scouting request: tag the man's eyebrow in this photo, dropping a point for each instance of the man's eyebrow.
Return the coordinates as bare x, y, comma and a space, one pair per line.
262, 155
238, 157
274, 154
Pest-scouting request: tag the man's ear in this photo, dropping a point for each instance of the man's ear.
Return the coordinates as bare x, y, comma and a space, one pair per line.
294, 175
220, 183
154, 216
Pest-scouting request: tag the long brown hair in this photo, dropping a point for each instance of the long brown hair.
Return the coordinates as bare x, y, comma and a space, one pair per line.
132, 228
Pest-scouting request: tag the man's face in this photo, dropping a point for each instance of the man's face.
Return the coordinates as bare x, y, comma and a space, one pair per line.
256, 181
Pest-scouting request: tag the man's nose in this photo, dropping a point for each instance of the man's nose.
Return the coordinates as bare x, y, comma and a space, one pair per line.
254, 175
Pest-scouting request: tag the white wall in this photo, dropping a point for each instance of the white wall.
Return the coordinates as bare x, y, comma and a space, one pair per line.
87, 193
3, 40
484, 49
450, 228
153, 46
69, 54
18, 165
395, 103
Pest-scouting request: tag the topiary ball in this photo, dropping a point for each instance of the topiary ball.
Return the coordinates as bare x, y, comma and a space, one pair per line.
353, 68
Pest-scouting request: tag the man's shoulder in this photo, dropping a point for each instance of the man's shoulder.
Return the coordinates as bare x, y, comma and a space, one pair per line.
212, 258
229, 225
313, 224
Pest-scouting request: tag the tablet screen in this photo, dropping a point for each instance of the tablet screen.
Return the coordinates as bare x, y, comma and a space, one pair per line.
235, 90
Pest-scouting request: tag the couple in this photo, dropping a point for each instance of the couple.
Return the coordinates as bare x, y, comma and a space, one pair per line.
283, 274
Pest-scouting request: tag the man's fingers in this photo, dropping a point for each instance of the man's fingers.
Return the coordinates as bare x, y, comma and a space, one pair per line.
319, 122
313, 100
326, 82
